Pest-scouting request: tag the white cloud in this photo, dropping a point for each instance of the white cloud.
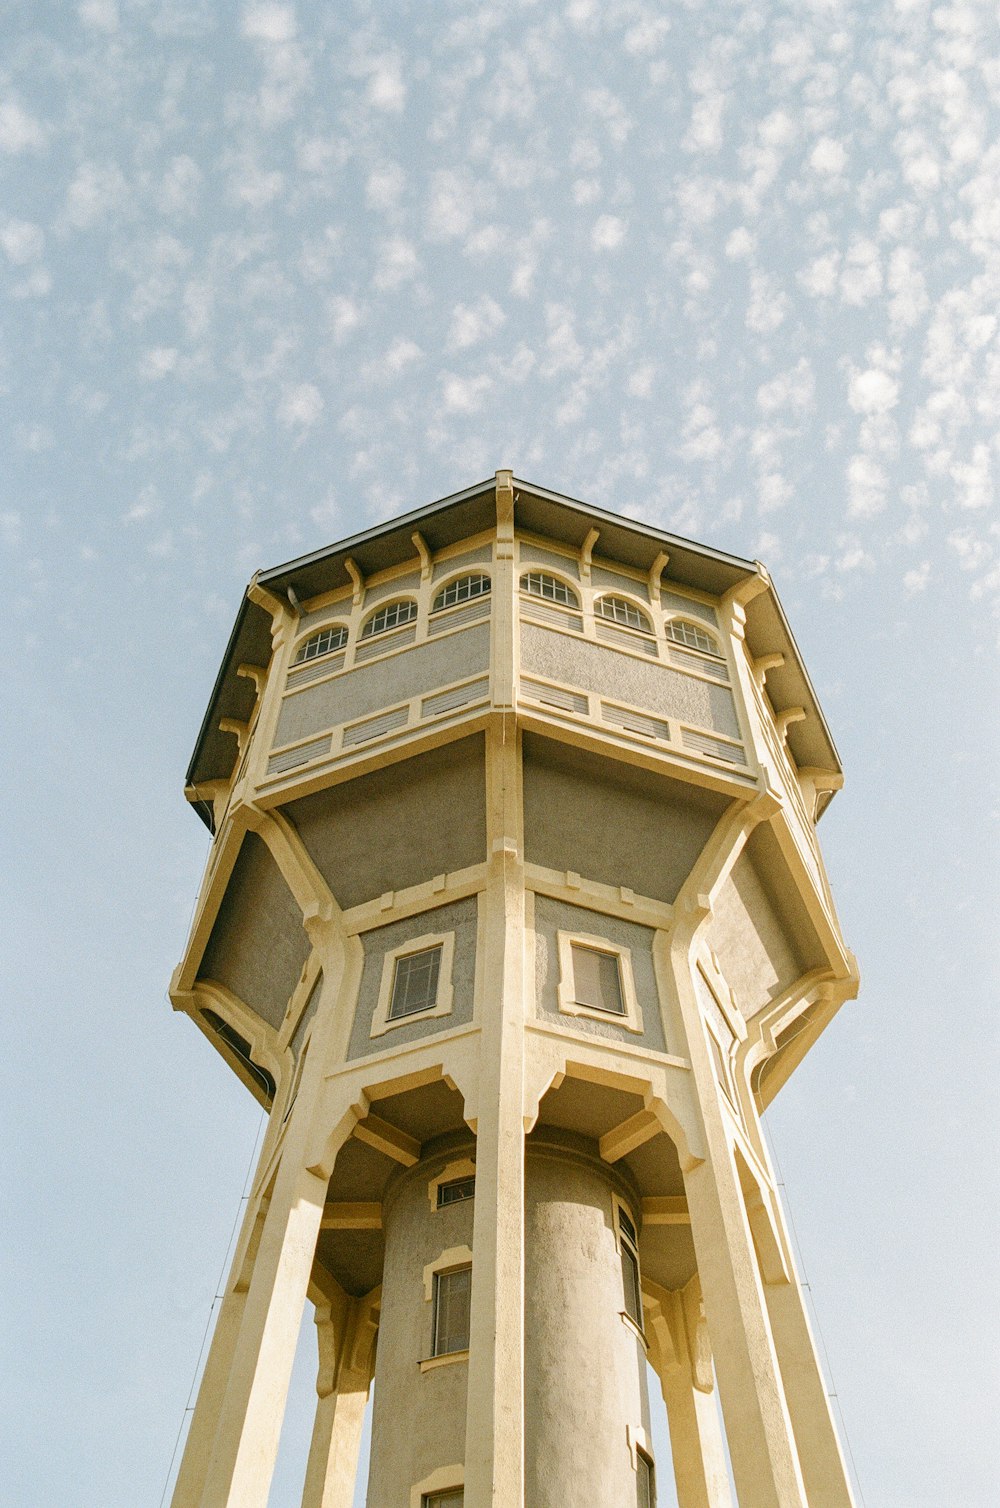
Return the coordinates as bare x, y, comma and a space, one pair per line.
269, 23
828, 157
867, 486
464, 395
385, 185
861, 277
608, 233
773, 492
300, 406
793, 389
22, 241
397, 264
820, 277
452, 204
768, 305
345, 317
158, 362
471, 323
872, 392
640, 383
181, 187
386, 89
100, 15
916, 580
974, 479
972, 553
96, 188
19, 131
741, 244
646, 36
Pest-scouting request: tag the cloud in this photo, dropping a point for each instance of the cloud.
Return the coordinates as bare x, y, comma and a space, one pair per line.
793, 389
471, 323
872, 392
828, 157
99, 15
22, 241
916, 580
608, 233
397, 264
385, 185
867, 486
301, 406
269, 23
96, 189
464, 395
19, 131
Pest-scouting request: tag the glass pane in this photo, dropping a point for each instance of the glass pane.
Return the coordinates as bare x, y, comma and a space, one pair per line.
540, 584
452, 1292
389, 617
644, 1494
630, 1283
414, 986
597, 981
462, 590
456, 1190
453, 1499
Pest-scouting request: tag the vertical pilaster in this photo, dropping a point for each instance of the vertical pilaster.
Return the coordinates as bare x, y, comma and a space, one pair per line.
494, 1464
687, 1383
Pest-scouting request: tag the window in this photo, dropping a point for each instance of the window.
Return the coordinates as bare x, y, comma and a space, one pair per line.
684, 632
415, 983
393, 615
455, 1191
540, 584
462, 590
595, 979
452, 1293
454, 1498
628, 1246
324, 643
645, 1495
620, 610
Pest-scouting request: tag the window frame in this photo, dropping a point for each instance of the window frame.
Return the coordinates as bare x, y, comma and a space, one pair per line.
382, 1022
456, 581
625, 1244
367, 632
631, 1020
645, 626
572, 604
300, 657
442, 1276
715, 652
452, 1259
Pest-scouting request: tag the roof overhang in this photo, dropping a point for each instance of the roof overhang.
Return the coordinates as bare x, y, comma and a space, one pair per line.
566, 521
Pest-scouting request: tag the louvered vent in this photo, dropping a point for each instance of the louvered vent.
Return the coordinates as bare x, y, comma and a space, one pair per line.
555, 696
622, 639
458, 696
313, 669
635, 722
290, 759
380, 644
699, 663
375, 727
543, 612
704, 743
469, 612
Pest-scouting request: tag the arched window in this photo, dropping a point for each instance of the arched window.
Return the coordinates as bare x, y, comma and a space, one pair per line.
462, 589
541, 584
620, 610
683, 631
393, 615
334, 636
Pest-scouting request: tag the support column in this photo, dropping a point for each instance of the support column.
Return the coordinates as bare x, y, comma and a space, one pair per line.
345, 1330
687, 1382
246, 1444
494, 1443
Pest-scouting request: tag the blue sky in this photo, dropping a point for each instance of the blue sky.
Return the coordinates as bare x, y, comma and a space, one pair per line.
271, 273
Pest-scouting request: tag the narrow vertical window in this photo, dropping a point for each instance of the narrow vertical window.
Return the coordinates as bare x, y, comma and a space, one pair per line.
628, 1242
452, 1294
645, 1493
454, 1498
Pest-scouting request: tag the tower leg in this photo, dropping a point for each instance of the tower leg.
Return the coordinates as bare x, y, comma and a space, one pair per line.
342, 1383
699, 1459
758, 1427
246, 1444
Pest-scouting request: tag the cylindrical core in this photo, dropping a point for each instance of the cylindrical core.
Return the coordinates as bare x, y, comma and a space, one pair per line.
586, 1404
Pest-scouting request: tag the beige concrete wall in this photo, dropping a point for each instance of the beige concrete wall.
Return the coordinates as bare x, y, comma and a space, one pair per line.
584, 1366
756, 953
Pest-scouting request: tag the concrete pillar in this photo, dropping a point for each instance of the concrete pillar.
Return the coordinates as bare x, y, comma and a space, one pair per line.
696, 1447
342, 1384
246, 1442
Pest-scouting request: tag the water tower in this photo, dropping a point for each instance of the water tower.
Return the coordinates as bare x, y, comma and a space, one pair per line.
515, 920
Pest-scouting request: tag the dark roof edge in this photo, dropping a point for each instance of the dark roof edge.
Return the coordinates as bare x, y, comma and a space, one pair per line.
805, 675
206, 721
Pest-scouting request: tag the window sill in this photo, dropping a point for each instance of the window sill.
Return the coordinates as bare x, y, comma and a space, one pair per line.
430, 1362
630, 1324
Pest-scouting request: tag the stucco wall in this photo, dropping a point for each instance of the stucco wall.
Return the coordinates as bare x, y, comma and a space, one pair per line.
399, 825
552, 917
604, 580
757, 955
610, 821
691, 609
536, 557
461, 919
372, 687
257, 946
456, 564
653, 687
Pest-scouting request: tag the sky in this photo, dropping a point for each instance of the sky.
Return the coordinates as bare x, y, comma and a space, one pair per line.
272, 273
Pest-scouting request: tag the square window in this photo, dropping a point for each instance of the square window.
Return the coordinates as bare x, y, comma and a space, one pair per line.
452, 1295
415, 983
456, 1190
597, 981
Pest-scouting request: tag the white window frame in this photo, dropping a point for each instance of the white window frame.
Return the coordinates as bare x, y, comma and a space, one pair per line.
716, 651
572, 606
456, 581
443, 1479
465, 1167
645, 625
381, 1022
299, 656
617, 1205
384, 607
570, 1006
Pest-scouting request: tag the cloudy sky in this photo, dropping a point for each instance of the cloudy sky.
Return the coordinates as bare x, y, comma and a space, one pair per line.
273, 273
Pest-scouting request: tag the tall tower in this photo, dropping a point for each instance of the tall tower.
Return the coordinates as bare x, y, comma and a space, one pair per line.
515, 920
